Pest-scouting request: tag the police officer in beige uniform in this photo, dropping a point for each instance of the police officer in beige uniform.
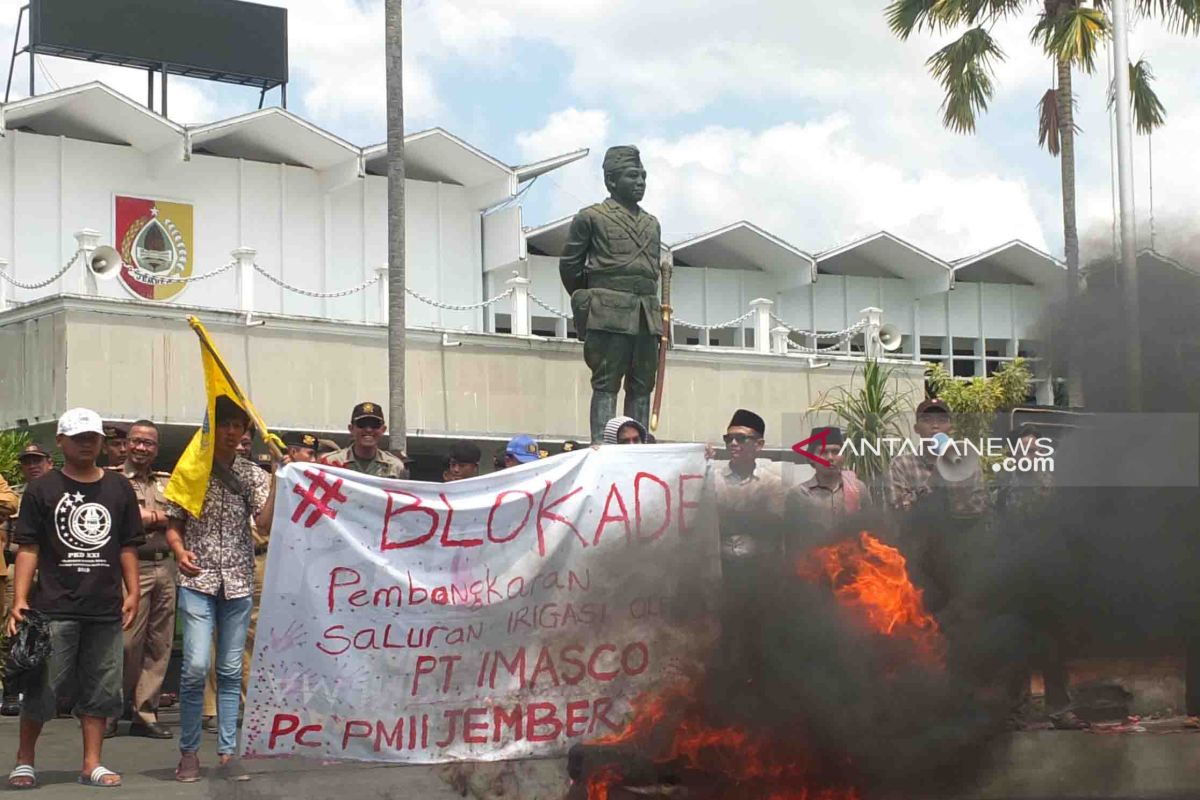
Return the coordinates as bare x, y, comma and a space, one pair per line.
148, 640
364, 454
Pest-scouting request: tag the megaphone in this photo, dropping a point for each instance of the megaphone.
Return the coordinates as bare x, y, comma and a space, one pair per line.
954, 462
105, 263
890, 338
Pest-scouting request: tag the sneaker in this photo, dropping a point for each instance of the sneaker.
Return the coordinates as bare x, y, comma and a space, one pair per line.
188, 770
210, 725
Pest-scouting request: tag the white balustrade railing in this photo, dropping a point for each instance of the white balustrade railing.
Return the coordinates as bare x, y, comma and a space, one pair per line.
772, 336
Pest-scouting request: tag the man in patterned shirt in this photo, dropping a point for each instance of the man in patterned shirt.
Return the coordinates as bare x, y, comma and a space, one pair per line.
215, 553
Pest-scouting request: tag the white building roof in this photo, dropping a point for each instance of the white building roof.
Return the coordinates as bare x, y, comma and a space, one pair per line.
97, 113
883, 255
440, 156
1014, 262
91, 112
745, 246
275, 136
548, 239
528, 172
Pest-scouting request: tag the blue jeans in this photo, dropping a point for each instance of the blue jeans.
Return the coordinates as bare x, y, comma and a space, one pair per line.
201, 613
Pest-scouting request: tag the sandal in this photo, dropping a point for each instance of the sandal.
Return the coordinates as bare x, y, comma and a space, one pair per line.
23, 776
97, 779
188, 770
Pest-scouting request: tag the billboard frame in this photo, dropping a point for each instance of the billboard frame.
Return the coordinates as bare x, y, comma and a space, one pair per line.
163, 68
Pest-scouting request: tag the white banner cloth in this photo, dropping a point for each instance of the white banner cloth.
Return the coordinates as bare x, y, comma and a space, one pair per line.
504, 616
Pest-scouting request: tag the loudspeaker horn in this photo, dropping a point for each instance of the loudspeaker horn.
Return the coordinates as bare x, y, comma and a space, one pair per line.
956, 464
890, 338
106, 262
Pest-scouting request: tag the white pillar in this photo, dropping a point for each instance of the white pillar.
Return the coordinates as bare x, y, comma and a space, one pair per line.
871, 332
245, 266
762, 324
382, 272
3, 286
88, 240
779, 341
520, 304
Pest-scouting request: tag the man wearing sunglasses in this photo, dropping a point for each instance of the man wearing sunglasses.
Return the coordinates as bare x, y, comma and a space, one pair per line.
743, 488
364, 453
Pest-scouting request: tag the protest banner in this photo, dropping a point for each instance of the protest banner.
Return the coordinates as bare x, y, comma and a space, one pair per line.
506, 616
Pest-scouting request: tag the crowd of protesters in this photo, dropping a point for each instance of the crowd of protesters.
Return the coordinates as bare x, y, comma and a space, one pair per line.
113, 567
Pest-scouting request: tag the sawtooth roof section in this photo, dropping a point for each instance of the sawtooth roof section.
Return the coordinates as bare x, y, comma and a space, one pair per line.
438, 156
1014, 262
882, 255
548, 239
275, 136
527, 172
94, 113
745, 246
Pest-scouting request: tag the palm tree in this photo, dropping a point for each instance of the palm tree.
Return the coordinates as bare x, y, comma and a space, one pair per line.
1070, 32
393, 32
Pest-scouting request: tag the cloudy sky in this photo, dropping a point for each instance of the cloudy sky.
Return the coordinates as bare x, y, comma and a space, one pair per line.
805, 117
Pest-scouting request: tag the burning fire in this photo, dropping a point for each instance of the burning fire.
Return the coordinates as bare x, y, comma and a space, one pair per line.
759, 766
872, 577
866, 575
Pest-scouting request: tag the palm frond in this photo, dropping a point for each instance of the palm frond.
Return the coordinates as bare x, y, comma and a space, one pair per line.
1148, 110
1050, 123
964, 69
906, 16
11, 443
1073, 34
1180, 16
974, 12
1048, 133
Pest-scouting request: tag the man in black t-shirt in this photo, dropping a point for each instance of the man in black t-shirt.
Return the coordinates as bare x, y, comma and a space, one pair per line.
79, 529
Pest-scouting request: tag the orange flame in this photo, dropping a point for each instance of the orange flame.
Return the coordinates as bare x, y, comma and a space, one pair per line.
872, 577
777, 768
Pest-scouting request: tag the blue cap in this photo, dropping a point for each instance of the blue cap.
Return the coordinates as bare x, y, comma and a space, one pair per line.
523, 448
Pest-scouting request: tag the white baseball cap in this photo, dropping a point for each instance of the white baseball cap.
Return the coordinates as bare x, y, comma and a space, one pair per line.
80, 420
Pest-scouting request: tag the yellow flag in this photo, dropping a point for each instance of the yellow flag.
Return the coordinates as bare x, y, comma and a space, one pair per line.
189, 481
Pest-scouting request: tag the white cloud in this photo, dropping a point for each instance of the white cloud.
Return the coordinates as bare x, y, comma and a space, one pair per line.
809, 183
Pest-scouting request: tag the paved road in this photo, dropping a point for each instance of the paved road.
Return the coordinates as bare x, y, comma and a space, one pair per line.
148, 765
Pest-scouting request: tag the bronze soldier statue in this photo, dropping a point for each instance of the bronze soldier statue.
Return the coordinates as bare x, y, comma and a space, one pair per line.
611, 266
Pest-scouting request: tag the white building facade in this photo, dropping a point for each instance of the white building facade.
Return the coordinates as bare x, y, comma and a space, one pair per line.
269, 219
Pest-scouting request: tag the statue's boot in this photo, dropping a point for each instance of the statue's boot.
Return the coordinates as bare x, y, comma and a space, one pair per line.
638, 407
604, 408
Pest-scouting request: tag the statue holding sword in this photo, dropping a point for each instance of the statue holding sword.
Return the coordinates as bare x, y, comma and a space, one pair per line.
611, 265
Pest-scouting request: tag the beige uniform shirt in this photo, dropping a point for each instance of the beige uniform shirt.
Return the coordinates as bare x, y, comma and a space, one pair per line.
384, 465
150, 491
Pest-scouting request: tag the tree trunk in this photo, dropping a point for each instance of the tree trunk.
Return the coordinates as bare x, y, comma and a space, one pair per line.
1066, 159
394, 48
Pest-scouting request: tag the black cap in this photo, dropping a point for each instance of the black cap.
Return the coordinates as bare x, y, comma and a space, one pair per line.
308, 440
465, 452
748, 419
33, 449
934, 405
116, 430
833, 438
367, 411
264, 460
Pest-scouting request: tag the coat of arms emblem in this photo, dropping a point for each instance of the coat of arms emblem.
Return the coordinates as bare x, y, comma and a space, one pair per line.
155, 241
